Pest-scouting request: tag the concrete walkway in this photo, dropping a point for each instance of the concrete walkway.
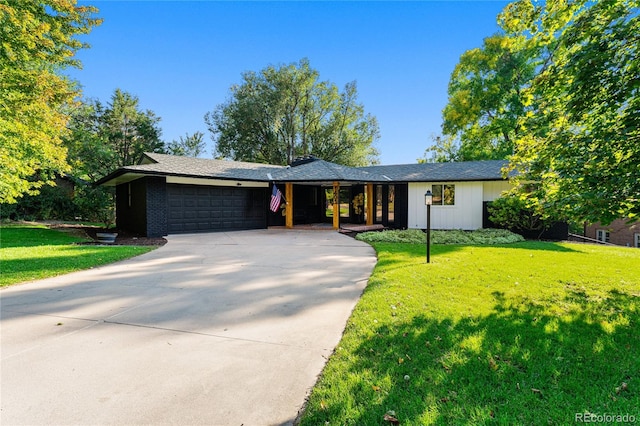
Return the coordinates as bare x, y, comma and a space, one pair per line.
211, 329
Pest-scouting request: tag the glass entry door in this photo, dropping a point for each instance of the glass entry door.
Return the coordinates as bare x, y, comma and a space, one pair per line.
344, 200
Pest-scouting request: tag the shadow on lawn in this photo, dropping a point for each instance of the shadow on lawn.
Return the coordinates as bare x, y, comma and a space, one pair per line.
525, 363
539, 245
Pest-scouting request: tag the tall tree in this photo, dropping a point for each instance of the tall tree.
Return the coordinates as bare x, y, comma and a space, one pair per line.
557, 92
445, 149
485, 98
38, 41
582, 139
188, 146
103, 138
129, 131
283, 112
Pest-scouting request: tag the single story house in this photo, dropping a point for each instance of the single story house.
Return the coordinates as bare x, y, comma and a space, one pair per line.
167, 194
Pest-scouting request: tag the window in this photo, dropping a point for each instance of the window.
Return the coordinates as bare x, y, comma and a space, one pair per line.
602, 235
636, 240
328, 205
343, 202
391, 200
443, 195
345, 193
378, 206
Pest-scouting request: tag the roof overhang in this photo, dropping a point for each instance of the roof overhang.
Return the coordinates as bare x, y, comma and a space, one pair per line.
123, 176
119, 177
216, 182
322, 182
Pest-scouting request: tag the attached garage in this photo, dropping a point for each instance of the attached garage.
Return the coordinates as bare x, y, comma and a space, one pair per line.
168, 194
199, 208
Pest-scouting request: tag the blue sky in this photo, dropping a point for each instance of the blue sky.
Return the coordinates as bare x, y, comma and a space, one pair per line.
181, 57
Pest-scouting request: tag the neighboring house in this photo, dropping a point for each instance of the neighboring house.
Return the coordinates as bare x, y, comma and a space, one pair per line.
618, 232
170, 194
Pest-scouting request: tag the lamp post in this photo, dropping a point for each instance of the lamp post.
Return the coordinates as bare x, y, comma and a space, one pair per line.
428, 198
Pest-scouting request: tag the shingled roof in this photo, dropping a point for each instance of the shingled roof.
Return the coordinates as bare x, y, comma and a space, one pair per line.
311, 170
316, 170
441, 172
172, 165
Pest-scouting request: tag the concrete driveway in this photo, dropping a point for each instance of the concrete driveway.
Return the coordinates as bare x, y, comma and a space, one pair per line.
211, 329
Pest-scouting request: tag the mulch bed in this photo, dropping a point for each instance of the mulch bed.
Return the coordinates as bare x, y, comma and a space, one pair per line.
124, 238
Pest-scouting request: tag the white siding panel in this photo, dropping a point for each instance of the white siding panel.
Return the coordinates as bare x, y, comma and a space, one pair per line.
494, 189
465, 214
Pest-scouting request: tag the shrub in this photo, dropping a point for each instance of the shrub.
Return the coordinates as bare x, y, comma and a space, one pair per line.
411, 236
515, 213
96, 204
416, 236
70, 199
52, 203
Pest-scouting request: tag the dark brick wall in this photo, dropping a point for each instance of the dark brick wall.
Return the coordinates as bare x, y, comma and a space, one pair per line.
620, 232
156, 208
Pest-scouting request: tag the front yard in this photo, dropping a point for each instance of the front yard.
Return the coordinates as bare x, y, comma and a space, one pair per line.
32, 252
524, 333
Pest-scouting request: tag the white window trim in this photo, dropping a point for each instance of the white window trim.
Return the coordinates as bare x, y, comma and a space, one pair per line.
603, 235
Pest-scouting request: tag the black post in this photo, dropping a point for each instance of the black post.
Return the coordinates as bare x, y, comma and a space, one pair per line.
428, 233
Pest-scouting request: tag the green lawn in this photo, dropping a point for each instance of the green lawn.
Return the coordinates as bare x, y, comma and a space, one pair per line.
31, 252
527, 333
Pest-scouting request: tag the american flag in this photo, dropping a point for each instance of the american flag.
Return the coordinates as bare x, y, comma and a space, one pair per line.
276, 196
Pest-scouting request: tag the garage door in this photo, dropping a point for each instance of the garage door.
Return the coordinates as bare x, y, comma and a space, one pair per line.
197, 208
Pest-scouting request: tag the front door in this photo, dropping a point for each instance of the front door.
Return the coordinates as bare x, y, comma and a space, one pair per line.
351, 201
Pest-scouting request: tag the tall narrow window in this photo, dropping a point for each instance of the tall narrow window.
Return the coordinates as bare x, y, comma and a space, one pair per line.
636, 240
345, 193
328, 206
391, 201
129, 194
378, 203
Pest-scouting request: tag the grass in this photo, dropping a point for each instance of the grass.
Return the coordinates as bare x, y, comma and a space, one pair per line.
32, 252
526, 333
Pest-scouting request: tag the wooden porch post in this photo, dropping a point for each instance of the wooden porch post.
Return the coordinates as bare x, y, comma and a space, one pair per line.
370, 201
336, 205
288, 209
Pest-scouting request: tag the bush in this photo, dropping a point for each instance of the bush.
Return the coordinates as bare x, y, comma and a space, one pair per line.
96, 204
416, 236
52, 203
411, 236
71, 199
515, 213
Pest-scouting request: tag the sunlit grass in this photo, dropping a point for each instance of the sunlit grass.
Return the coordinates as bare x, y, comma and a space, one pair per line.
31, 252
528, 333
